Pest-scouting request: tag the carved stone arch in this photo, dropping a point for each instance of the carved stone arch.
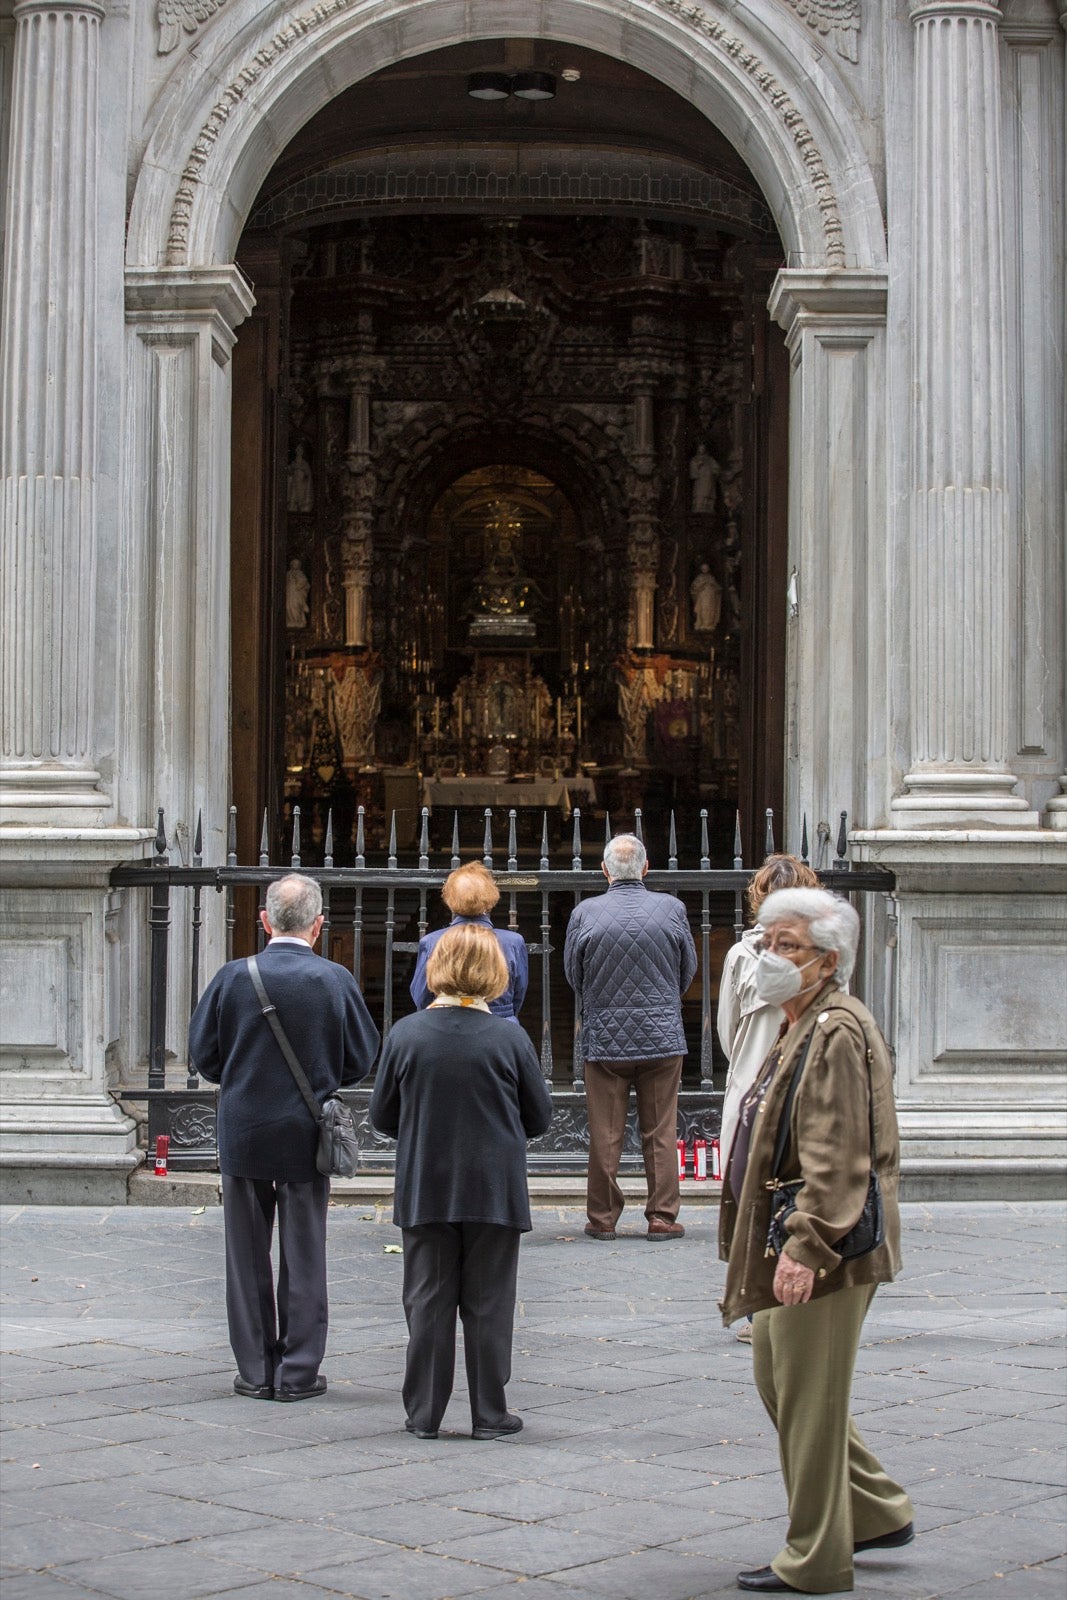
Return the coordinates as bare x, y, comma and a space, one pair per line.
429, 448
761, 79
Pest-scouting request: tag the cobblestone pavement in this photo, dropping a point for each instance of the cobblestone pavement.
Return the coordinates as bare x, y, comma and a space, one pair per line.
647, 1468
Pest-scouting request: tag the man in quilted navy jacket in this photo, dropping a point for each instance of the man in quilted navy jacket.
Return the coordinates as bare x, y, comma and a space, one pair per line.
629, 957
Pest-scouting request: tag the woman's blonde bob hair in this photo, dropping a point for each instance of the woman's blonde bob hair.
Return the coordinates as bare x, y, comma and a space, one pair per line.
470, 891
467, 960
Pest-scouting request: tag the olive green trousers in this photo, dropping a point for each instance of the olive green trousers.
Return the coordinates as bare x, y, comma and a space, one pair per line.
803, 1358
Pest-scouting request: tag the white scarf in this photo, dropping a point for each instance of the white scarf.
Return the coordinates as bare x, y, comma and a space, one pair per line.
468, 1000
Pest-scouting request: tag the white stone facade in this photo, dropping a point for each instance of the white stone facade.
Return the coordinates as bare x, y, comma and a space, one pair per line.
912, 152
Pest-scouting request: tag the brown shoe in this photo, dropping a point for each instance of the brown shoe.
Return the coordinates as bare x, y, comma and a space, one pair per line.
598, 1233
658, 1229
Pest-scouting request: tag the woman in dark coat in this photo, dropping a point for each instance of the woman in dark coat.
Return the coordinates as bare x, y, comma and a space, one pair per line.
461, 1091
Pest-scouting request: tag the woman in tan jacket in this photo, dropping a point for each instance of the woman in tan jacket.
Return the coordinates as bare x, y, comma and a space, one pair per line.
810, 1302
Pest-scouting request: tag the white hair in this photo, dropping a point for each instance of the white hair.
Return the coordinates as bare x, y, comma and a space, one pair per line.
832, 923
293, 903
625, 857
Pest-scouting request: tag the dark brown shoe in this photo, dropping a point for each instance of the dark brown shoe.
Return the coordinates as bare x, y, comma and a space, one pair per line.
599, 1233
658, 1229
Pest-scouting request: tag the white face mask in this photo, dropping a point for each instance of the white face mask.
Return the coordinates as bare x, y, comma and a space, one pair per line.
778, 980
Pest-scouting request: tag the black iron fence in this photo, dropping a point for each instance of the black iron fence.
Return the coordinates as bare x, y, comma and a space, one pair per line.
375, 915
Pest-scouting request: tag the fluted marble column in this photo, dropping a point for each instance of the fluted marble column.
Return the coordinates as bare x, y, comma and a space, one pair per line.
960, 576
1056, 810
48, 445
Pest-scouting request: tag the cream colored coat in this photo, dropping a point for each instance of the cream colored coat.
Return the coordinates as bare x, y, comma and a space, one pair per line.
747, 1027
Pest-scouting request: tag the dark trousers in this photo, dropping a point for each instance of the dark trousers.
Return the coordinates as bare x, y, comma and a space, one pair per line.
469, 1267
277, 1342
607, 1098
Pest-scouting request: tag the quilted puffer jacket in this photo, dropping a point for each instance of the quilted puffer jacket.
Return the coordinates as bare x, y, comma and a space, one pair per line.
630, 956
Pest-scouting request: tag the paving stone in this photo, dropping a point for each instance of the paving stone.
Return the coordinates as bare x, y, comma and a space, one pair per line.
288, 1548
179, 1570
53, 1542
647, 1465
403, 1575
532, 1549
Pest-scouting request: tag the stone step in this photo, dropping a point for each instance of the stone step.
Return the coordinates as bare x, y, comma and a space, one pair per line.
204, 1189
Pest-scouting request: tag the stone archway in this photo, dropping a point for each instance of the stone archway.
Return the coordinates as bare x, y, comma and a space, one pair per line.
760, 80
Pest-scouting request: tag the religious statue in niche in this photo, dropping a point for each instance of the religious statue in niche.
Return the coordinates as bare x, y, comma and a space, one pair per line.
704, 475
706, 591
503, 595
297, 589
301, 495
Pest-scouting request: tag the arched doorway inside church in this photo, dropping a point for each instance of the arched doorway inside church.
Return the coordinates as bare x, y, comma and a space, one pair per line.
509, 465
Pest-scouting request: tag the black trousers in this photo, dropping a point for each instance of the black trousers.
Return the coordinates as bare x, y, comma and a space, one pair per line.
280, 1340
469, 1268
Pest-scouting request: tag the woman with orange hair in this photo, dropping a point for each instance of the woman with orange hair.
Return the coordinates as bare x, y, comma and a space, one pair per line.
470, 894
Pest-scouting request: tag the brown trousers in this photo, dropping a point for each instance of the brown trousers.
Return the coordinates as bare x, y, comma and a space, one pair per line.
607, 1095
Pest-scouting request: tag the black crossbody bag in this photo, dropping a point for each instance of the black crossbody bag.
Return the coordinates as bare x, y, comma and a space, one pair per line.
337, 1153
869, 1231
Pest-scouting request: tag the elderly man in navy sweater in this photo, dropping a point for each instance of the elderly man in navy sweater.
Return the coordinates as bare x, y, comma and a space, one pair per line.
630, 957
268, 1137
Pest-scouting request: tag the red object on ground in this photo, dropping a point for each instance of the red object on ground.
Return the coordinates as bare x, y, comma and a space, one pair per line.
681, 1158
162, 1147
700, 1160
716, 1161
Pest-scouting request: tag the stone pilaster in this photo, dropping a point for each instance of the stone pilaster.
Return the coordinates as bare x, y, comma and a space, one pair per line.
836, 631
48, 425
1056, 810
960, 582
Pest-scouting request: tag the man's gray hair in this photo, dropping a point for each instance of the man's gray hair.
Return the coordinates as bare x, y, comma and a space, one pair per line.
293, 903
625, 857
832, 923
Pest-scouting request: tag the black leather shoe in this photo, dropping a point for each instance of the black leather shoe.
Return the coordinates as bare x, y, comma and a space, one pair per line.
318, 1387
888, 1541
765, 1581
599, 1233
511, 1424
420, 1433
253, 1391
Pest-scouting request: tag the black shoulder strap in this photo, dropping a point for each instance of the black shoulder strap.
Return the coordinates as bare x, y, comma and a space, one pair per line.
783, 1125
783, 1122
283, 1043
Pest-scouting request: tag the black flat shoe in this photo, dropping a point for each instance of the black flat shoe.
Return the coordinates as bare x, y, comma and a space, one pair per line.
765, 1581
511, 1424
253, 1391
313, 1389
887, 1541
420, 1433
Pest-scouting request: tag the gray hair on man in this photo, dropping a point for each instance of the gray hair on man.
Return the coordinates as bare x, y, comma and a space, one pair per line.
832, 923
624, 858
293, 903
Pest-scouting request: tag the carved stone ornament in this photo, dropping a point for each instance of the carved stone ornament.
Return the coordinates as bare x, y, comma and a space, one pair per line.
838, 19
176, 17
297, 28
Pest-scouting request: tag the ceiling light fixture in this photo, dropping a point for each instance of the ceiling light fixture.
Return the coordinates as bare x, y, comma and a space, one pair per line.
534, 86
488, 86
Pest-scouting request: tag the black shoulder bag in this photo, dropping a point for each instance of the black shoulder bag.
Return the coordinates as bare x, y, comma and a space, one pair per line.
338, 1149
869, 1232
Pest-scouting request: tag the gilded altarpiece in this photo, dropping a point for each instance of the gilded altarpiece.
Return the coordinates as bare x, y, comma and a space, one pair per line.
518, 515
